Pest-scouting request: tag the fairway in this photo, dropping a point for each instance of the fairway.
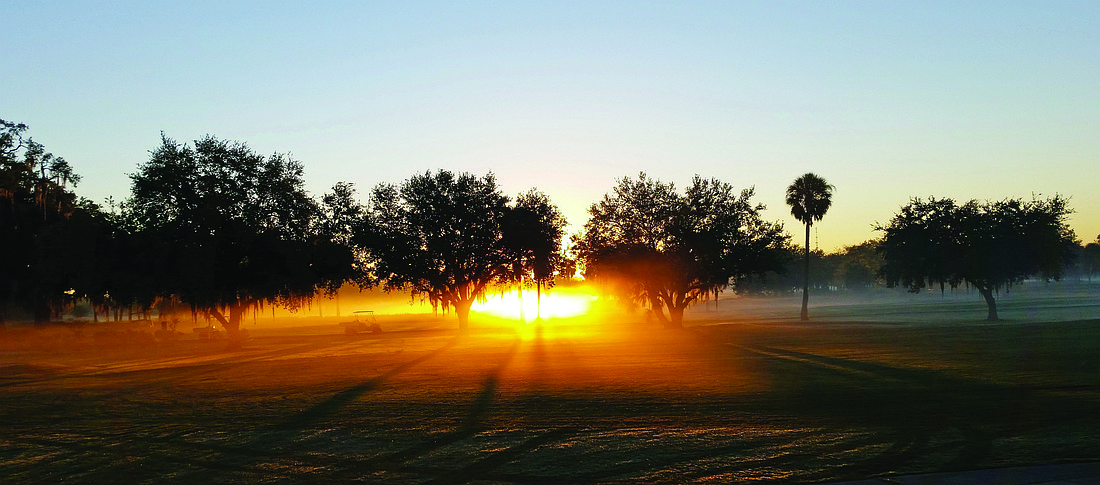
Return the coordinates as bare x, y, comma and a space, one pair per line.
745, 393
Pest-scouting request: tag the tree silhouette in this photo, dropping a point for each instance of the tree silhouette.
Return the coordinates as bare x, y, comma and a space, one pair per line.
226, 229
36, 205
989, 245
337, 257
810, 198
667, 250
859, 265
532, 231
450, 237
1090, 258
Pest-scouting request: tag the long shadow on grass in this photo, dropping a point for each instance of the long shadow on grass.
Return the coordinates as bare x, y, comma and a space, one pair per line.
470, 426
868, 392
916, 404
472, 423
199, 454
263, 442
167, 370
333, 404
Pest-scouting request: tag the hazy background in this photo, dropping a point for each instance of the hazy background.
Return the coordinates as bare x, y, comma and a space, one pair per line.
885, 100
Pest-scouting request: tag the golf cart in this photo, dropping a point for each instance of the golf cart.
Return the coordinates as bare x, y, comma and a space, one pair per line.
364, 321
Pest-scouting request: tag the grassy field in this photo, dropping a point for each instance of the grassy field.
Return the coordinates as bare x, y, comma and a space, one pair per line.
911, 383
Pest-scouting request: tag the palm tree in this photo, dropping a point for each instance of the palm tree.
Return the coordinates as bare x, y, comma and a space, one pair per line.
809, 197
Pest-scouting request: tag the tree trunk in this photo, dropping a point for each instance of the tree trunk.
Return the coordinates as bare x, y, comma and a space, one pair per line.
675, 316
538, 301
519, 294
233, 331
987, 293
232, 325
462, 309
806, 281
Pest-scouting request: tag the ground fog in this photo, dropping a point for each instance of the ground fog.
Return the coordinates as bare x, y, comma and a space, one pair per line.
874, 385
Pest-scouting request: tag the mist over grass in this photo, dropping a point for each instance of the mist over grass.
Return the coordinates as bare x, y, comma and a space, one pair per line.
877, 384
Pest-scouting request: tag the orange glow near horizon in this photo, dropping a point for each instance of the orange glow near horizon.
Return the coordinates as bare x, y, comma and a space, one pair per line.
560, 303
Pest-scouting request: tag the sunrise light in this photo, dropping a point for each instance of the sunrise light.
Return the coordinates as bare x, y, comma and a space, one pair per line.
560, 303
547, 242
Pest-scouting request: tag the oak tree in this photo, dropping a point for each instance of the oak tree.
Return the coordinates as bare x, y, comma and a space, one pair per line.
668, 250
532, 232
989, 245
450, 237
36, 234
226, 229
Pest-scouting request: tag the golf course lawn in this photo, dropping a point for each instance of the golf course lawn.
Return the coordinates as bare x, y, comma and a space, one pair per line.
743, 393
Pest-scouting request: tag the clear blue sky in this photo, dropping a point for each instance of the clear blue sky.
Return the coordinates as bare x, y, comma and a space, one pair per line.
886, 100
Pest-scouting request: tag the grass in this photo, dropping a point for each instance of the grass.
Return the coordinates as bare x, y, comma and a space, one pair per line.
870, 388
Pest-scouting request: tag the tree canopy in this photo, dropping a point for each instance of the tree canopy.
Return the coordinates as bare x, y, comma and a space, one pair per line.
450, 236
668, 250
532, 229
989, 245
40, 240
1090, 258
226, 229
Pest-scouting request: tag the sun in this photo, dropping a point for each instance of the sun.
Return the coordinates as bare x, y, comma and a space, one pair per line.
560, 303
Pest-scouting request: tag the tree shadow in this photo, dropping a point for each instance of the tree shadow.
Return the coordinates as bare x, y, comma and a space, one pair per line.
470, 425
340, 400
263, 441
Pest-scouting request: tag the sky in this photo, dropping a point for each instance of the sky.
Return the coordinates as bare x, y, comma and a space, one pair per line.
885, 100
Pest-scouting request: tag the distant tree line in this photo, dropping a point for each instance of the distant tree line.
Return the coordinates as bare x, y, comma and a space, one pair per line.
223, 230
852, 269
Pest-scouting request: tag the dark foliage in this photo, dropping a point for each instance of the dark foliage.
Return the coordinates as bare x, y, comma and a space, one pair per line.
450, 237
1089, 258
225, 229
989, 245
532, 230
667, 250
46, 231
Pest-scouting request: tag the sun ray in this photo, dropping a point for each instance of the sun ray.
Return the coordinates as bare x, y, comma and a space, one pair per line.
526, 306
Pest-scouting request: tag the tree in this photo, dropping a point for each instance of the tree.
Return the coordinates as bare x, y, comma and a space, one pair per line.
532, 232
35, 202
450, 237
810, 198
990, 245
85, 258
337, 256
668, 250
858, 265
1090, 258
226, 229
